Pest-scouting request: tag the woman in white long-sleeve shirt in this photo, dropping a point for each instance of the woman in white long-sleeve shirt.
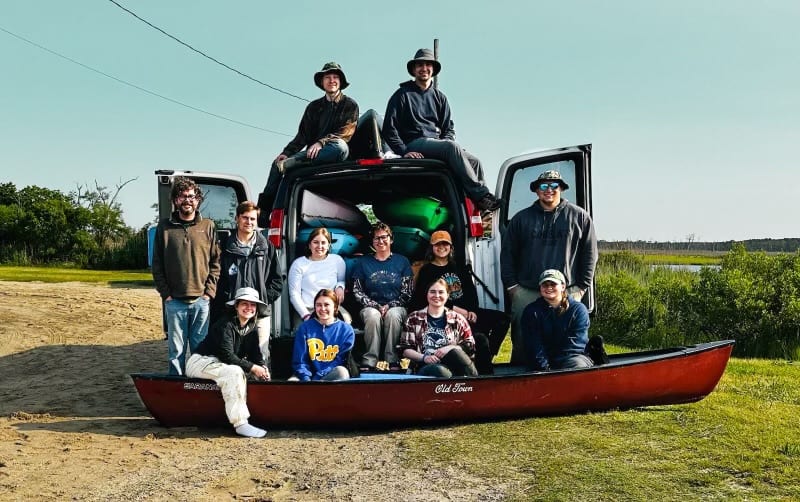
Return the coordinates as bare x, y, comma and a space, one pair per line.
317, 270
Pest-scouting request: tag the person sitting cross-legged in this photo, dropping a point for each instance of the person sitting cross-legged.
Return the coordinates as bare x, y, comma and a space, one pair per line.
438, 339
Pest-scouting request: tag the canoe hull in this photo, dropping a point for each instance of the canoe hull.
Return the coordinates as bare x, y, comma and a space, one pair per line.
639, 379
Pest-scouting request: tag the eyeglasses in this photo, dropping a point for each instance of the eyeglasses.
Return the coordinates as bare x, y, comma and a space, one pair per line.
188, 197
552, 186
381, 238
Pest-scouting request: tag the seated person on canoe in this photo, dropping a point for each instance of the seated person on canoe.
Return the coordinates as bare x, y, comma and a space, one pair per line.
327, 126
319, 269
463, 298
228, 353
248, 259
555, 327
438, 339
322, 343
382, 285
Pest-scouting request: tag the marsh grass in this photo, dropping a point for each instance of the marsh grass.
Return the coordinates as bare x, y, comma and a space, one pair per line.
60, 274
741, 442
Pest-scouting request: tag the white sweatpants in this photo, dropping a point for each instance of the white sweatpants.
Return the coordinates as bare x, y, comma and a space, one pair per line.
231, 381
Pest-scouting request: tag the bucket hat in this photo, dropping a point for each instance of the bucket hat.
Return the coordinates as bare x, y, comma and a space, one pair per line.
550, 175
250, 295
552, 275
331, 67
424, 55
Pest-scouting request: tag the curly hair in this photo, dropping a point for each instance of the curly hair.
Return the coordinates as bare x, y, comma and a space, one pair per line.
182, 184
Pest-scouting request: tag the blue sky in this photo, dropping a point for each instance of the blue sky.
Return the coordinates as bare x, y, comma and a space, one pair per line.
693, 107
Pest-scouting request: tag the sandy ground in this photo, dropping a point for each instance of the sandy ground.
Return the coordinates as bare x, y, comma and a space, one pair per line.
72, 426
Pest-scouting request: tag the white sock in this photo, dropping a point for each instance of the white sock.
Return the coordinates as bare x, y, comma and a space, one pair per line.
250, 431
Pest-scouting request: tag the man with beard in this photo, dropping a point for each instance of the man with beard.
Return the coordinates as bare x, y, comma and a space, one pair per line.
418, 124
185, 270
327, 126
552, 233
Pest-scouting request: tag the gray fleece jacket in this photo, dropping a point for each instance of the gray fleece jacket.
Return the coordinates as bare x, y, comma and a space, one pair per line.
536, 240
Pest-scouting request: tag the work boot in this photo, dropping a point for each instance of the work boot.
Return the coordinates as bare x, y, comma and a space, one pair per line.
489, 203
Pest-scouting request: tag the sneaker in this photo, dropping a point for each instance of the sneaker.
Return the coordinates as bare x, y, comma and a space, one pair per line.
250, 431
489, 203
390, 155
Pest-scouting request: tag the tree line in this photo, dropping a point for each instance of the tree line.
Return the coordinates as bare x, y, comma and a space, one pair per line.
83, 228
786, 245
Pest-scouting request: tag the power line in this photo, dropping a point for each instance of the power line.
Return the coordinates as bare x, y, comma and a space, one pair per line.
148, 23
142, 88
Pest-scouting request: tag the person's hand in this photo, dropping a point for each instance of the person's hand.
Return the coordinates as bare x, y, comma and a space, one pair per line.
260, 372
413, 155
430, 359
442, 351
383, 309
472, 317
206, 297
339, 294
313, 150
280, 157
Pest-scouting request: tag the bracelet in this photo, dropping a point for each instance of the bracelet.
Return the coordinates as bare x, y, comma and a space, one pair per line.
423, 359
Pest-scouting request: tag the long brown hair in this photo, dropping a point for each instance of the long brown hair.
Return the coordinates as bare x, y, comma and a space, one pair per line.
314, 233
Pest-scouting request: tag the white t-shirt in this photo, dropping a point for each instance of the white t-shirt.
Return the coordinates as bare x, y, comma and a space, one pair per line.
307, 277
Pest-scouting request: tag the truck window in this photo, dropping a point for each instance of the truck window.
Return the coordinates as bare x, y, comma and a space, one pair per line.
219, 204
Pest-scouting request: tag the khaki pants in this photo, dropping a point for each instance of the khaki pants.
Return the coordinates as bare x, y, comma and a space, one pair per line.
231, 381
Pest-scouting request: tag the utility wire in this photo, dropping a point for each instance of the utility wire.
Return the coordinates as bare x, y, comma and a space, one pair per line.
148, 23
142, 88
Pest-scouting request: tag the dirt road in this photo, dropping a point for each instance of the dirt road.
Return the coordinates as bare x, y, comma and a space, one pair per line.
72, 426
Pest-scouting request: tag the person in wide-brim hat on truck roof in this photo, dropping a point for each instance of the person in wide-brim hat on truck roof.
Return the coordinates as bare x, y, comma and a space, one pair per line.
418, 124
327, 125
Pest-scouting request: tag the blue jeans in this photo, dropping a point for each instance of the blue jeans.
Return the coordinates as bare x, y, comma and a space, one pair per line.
465, 165
187, 326
333, 151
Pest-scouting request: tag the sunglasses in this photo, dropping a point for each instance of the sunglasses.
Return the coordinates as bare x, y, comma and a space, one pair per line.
552, 186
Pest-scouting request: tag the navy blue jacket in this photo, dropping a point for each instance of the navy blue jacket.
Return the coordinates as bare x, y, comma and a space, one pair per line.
413, 113
549, 338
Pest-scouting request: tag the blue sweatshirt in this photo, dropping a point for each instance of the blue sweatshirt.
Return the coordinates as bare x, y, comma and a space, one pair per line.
388, 282
318, 348
549, 338
413, 113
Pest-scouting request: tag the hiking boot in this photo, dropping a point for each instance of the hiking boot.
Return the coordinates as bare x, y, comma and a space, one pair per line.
489, 203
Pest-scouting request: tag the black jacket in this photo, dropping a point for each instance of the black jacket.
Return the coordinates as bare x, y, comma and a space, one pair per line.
231, 344
258, 270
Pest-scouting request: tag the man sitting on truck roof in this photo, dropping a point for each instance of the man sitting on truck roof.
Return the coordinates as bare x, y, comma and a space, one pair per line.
327, 125
418, 124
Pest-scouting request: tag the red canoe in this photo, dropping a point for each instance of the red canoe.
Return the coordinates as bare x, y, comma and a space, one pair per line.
660, 377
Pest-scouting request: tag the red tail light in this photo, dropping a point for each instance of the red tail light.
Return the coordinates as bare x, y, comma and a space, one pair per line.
275, 227
475, 221
370, 162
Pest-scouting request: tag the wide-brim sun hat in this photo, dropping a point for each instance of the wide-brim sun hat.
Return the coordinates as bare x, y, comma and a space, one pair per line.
424, 56
552, 275
441, 236
551, 175
250, 295
331, 67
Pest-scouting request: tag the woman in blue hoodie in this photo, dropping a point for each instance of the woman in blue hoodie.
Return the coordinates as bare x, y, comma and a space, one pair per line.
555, 328
323, 343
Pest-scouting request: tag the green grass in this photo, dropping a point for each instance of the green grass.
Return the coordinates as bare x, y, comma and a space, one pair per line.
60, 274
741, 442
677, 258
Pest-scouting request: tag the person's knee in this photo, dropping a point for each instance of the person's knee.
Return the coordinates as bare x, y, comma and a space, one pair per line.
370, 316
